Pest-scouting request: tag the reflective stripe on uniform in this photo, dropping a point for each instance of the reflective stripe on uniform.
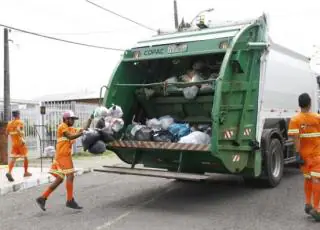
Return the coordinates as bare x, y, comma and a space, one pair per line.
307, 175
309, 135
62, 139
293, 131
315, 174
13, 133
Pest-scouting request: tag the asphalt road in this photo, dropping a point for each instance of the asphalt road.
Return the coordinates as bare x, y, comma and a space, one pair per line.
121, 202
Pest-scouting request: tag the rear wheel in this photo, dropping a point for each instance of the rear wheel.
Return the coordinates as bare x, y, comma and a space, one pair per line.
273, 163
273, 166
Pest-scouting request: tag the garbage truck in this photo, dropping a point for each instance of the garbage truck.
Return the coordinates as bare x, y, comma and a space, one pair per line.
247, 92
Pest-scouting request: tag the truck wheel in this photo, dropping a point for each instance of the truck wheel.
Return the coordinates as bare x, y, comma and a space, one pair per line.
273, 163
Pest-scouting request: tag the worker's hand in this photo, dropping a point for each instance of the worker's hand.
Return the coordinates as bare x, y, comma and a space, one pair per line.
23, 141
299, 160
80, 131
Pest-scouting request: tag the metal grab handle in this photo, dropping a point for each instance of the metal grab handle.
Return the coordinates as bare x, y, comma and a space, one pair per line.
100, 97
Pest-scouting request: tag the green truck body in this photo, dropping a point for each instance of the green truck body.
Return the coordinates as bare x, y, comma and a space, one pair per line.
242, 142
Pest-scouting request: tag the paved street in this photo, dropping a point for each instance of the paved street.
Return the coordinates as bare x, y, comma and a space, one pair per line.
128, 202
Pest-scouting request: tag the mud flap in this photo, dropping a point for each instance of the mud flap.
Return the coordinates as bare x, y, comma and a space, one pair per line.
236, 162
257, 164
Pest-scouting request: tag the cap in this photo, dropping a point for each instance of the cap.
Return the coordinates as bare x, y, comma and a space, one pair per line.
69, 114
15, 113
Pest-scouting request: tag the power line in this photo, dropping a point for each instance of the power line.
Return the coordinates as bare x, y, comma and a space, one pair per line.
61, 40
128, 19
91, 32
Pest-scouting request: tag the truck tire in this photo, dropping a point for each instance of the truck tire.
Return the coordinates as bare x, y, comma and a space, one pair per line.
273, 163
273, 167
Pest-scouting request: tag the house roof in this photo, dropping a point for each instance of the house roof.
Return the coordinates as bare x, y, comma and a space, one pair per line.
69, 96
21, 101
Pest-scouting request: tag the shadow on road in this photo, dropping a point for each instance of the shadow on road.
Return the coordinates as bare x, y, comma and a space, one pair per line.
181, 195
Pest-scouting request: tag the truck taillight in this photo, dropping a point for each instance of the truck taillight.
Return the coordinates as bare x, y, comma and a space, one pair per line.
223, 45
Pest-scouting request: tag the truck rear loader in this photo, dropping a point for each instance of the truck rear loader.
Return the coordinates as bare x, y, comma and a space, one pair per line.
253, 96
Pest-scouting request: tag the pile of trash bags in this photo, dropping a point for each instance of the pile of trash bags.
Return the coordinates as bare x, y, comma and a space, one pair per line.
109, 124
166, 129
194, 75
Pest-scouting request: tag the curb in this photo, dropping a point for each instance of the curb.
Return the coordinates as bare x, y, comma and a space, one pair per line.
30, 183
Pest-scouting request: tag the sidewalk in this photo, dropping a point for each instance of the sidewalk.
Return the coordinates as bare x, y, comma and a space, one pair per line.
82, 165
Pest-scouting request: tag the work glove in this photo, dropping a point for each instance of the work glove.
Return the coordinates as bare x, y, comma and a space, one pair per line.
299, 160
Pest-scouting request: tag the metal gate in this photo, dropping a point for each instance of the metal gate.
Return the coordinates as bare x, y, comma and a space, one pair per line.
40, 130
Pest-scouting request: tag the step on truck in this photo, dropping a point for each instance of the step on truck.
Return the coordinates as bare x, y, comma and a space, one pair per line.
254, 93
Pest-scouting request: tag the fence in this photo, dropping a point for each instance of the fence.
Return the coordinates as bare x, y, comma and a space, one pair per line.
40, 130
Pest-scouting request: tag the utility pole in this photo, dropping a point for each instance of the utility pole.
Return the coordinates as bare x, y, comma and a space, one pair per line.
175, 7
6, 102
6, 85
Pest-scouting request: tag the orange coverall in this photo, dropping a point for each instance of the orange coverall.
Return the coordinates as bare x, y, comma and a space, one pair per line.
306, 127
15, 130
63, 164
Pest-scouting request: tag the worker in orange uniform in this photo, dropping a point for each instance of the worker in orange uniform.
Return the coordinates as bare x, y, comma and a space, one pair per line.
305, 129
63, 165
15, 129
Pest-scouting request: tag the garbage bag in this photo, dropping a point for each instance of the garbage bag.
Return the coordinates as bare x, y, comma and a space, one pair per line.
114, 124
98, 147
196, 78
101, 111
106, 136
190, 92
170, 87
154, 124
144, 134
89, 138
163, 136
196, 137
166, 121
179, 130
116, 111
49, 151
131, 131
203, 127
101, 123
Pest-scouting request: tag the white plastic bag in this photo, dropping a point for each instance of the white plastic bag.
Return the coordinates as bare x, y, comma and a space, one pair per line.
101, 111
190, 92
135, 129
196, 137
196, 78
49, 151
154, 124
114, 124
116, 111
166, 121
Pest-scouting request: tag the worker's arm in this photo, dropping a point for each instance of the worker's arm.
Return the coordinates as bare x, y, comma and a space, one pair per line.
87, 126
20, 130
73, 136
294, 134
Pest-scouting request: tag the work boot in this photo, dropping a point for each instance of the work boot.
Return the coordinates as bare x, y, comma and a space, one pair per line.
73, 204
315, 214
9, 176
41, 202
308, 208
27, 174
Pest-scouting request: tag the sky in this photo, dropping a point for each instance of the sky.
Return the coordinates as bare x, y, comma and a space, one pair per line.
40, 66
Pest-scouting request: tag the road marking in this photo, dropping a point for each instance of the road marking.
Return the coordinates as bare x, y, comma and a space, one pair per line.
116, 220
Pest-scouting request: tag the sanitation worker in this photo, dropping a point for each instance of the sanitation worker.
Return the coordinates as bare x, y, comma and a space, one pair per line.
63, 166
15, 129
304, 127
